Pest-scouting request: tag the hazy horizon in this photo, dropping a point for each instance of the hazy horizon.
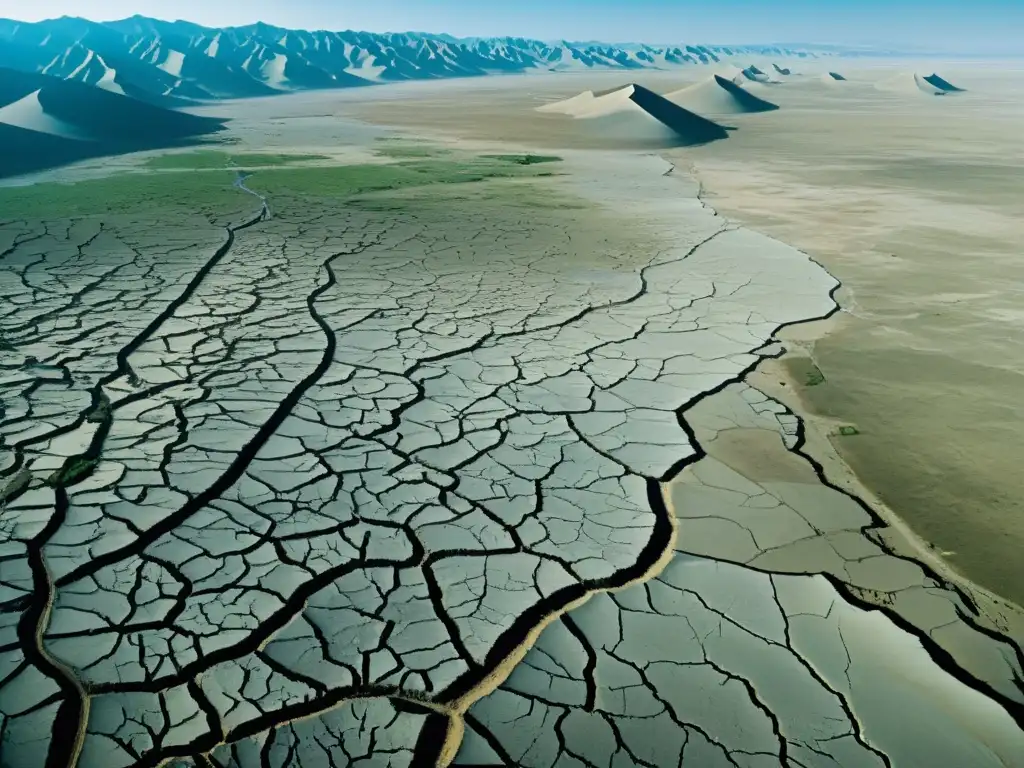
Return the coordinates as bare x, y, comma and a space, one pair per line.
987, 26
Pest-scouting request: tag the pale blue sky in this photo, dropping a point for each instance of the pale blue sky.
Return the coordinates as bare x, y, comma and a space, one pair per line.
955, 25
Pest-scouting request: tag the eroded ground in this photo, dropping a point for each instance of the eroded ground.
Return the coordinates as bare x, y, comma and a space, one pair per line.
316, 483
913, 203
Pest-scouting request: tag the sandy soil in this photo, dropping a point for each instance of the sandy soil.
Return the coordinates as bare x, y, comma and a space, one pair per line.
915, 207
913, 202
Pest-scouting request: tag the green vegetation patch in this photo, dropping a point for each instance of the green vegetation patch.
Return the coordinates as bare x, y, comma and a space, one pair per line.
407, 147
15, 486
804, 371
848, 430
206, 159
496, 194
408, 150
126, 193
525, 159
211, 191
75, 468
101, 412
349, 181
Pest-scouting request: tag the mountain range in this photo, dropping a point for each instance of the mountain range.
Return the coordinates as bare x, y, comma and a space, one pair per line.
71, 88
176, 63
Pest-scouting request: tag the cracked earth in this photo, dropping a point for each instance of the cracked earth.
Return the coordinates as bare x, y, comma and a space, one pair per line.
337, 487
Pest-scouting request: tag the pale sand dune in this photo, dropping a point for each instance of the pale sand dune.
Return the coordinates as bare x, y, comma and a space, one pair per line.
631, 112
943, 85
571, 106
926, 87
28, 113
730, 72
909, 82
719, 96
610, 102
755, 75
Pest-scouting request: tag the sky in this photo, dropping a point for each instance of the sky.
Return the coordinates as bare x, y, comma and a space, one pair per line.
980, 26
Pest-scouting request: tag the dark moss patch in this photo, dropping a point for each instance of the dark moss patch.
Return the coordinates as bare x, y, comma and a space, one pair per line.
125, 193
209, 190
101, 412
804, 371
15, 486
206, 159
499, 193
75, 469
349, 181
524, 159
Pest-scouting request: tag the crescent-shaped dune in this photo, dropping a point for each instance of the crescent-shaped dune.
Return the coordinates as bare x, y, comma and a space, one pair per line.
926, 87
719, 96
47, 121
634, 112
755, 75
942, 84
28, 113
731, 72
912, 82
570, 106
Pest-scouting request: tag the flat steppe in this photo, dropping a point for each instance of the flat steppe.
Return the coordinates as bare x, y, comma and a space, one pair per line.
913, 202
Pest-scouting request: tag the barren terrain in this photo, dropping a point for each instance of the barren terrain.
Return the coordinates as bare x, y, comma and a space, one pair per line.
913, 203
336, 448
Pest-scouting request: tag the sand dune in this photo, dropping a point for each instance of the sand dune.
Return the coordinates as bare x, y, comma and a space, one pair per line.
570, 106
732, 73
833, 77
755, 75
633, 112
925, 87
49, 121
719, 96
782, 70
28, 113
940, 83
911, 82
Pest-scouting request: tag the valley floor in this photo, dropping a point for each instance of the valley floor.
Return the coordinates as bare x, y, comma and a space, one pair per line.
912, 203
477, 447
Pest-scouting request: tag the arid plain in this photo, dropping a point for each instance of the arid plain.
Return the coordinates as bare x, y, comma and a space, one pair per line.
913, 203
472, 437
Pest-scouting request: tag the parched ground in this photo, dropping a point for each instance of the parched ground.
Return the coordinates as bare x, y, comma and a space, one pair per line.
429, 462
913, 203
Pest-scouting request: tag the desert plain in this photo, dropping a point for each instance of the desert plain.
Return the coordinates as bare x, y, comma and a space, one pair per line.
913, 204
415, 426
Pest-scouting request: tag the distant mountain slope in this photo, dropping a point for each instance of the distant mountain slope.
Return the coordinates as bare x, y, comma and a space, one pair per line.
46, 121
172, 63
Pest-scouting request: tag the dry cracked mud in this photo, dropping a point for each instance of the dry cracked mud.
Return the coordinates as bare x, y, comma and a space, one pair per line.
427, 482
